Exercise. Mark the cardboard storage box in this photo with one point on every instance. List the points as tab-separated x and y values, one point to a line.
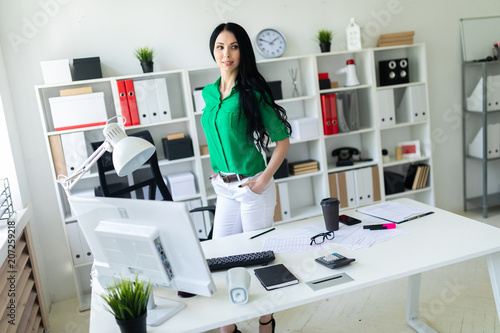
177	148
304	128
181	185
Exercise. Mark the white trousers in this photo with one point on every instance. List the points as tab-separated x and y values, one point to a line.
239	209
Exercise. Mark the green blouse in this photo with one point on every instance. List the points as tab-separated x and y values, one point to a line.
230	150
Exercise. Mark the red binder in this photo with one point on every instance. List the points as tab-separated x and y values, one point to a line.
329	108
334	114
132	103
122	94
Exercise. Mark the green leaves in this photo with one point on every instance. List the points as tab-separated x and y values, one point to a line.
144	54
324	36
127	299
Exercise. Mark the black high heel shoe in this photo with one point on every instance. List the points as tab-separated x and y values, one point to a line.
272	321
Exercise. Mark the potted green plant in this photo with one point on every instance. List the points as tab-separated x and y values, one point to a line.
324	38
145	56
127	301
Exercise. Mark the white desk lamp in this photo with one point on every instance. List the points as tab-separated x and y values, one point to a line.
129	153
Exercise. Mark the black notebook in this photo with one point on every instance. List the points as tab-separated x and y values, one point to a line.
276	276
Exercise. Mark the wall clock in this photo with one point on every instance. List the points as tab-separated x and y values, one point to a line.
271	43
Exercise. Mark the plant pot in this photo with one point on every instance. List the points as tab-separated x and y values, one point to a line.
325	47
136	325
147	67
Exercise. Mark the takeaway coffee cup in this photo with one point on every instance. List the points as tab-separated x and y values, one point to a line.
330	208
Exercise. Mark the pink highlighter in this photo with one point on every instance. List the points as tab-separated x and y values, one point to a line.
380	226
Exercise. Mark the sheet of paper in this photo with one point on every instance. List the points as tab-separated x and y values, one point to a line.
350	237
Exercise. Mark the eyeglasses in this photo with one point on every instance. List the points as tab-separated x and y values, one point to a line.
320	238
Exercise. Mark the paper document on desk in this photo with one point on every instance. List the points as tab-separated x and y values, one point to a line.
350	237
394	211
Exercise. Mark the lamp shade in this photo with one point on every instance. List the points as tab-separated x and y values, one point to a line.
130	153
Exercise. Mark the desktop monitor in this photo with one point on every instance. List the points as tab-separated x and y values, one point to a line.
154	239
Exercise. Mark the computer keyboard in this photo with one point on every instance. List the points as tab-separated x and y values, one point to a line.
239	260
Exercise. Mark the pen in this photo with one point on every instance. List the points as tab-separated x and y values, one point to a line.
418	216
265	232
380	226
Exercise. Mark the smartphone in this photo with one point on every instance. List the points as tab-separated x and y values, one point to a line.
348	220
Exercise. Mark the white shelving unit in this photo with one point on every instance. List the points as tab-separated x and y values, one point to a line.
305	191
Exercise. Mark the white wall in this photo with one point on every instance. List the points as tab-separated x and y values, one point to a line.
32	30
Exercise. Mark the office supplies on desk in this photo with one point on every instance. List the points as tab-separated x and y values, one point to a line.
276	276
262	233
394	211
384	226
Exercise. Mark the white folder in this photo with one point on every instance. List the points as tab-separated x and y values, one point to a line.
493	150
143	90
364	186
352	199
475	100
199	102
198	218
72	229
413	106
162	98
74	150
284	201
86	252
386	107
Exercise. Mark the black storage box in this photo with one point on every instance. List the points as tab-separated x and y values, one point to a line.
282	171
177	148
324	84
87	68
276	89
393	182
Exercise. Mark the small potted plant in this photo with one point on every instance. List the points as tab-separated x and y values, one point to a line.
324	38
127	301
145	56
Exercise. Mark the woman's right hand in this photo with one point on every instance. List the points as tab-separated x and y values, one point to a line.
213	176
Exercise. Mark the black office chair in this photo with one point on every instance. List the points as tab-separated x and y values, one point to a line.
145	178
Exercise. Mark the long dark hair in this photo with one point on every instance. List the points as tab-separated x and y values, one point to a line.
249	81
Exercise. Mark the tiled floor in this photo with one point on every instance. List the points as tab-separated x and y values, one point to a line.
454	299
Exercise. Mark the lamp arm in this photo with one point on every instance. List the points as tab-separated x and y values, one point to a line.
69	182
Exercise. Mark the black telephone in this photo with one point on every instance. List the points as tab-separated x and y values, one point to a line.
345	155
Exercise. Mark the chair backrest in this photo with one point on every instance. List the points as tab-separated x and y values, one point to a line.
145	177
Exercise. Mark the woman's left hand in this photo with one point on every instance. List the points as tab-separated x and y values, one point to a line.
256	185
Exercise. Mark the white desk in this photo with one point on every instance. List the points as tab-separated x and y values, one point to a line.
433	241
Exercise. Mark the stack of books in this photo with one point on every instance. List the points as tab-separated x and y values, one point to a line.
398	38
297	168
417	176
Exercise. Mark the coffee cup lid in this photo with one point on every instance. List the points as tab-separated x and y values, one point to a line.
330	202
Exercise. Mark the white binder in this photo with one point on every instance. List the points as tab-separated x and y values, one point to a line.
162	98
74	150
198	218
352	197
143	93
86	252
475	100
413	106
72	229
364	186
386	107
284	201
199	102
476	146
